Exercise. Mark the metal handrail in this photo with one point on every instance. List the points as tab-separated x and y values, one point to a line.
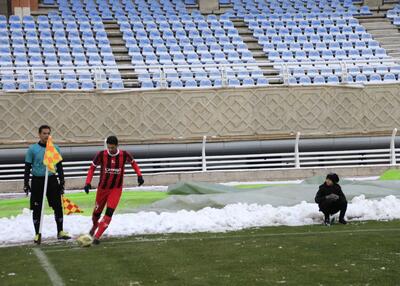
340	158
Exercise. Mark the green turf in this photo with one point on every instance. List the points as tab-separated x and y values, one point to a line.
356	254
391	174
129	201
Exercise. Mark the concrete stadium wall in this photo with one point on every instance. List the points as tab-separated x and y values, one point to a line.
165	115
217	177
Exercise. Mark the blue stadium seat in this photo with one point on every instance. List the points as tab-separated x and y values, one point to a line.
40	86
56	85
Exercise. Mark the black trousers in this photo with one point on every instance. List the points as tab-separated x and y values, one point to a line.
332	207
53	197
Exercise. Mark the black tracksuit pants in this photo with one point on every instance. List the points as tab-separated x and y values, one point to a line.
332	207
53	197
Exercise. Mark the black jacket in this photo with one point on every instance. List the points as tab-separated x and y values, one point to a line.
325	190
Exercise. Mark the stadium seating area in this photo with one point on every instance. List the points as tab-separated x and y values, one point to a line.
70	49
52	45
394	15
317	31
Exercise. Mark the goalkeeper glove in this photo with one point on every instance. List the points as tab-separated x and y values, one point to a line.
332	197
87	188
27	189
140	180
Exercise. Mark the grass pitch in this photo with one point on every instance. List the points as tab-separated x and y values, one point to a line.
362	253
129	201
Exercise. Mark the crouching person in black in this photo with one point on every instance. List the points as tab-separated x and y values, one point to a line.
331	199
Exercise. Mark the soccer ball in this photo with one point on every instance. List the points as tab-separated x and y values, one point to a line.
85	240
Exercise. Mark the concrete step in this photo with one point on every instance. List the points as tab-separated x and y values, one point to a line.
111	26
391	46
256	50
124	62
275	80
388	40
119	49
117	41
259	54
249	38
379	26
128	74
244	30
254	46
113	33
122	58
106	22
132	85
382	30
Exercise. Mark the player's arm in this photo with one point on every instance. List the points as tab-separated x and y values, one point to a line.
320	196
91	171
136	168
342	197
27	173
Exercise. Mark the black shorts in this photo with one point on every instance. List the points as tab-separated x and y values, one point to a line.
53	192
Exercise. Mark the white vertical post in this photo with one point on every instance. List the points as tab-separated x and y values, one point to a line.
393	148
46	178
96	77
163	79
224	77
203	155
296	151
285	74
344	72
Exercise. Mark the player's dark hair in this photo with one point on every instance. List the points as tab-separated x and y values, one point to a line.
112	140
44	127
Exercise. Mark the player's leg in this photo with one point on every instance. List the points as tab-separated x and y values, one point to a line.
343	209
325	208
112	203
101	200
36	204
54	199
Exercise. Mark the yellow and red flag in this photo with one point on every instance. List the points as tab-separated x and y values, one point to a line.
70	207
51	156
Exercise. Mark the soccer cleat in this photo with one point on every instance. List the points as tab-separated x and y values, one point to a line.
37	239
96	241
342	221
327	221
63	235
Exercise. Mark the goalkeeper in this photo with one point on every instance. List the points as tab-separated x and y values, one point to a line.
331	199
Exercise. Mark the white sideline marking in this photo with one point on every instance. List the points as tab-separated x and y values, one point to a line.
144	240
55	279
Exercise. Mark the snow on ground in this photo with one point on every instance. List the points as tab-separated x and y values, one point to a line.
19	229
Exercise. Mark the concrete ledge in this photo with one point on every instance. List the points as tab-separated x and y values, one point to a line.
219	177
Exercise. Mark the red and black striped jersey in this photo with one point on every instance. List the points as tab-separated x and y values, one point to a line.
112	168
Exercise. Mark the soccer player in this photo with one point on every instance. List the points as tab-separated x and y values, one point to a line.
34	160
331	199
112	163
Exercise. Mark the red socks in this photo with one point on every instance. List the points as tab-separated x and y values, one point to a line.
103	226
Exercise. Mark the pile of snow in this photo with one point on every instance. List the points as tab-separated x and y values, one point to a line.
19	229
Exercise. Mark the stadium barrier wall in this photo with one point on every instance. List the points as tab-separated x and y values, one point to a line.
161	116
